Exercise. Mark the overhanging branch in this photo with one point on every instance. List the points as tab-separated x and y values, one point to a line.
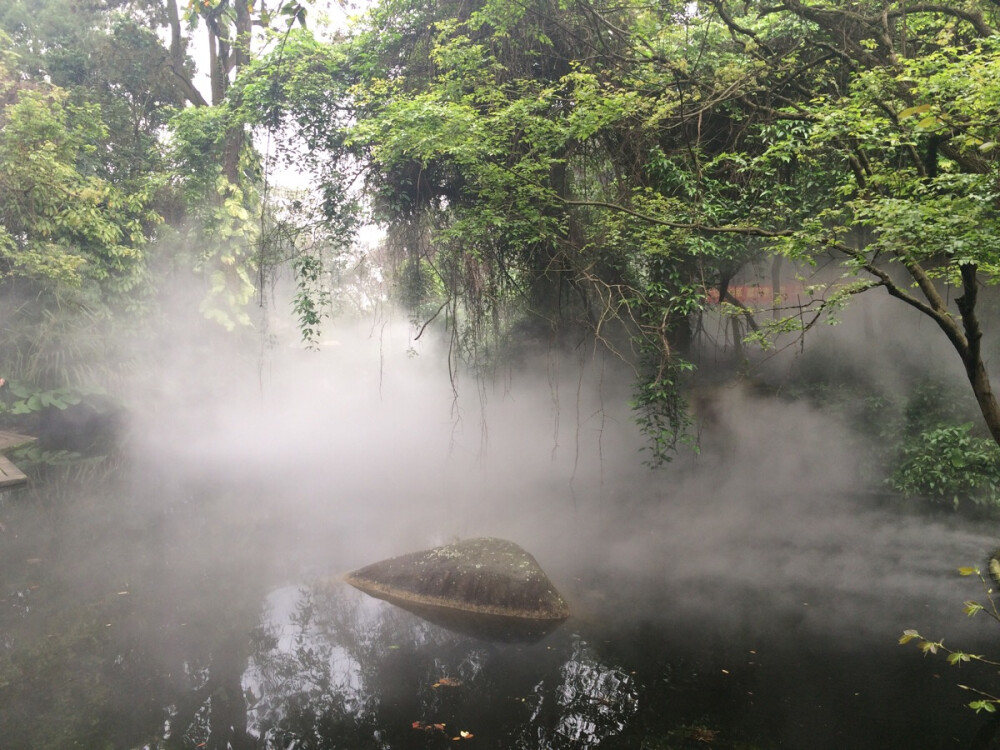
748	231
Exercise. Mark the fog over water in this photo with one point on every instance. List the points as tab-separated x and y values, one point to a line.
757	587
363	450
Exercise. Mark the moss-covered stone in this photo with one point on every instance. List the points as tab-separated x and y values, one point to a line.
488	587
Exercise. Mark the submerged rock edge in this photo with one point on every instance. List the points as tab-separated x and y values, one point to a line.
408	599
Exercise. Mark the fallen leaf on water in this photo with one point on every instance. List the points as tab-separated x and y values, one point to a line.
427	727
702	734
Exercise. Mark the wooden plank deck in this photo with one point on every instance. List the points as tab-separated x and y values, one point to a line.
10	475
9	440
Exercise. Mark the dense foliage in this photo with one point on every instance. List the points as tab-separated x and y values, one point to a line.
560	170
948	464
554	171
119	179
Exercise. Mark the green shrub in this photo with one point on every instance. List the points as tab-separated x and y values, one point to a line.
947	463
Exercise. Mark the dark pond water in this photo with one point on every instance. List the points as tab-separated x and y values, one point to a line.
187	594
195	623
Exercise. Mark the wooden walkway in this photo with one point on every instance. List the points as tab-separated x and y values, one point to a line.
10	475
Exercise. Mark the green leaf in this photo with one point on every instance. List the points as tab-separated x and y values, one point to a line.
972	608
20	390
910	111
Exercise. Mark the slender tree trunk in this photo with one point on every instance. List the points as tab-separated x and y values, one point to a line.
985	397
776	287
216	68
175	58
972	356
238	55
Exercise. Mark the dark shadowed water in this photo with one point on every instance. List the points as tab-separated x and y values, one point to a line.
117	633
187	593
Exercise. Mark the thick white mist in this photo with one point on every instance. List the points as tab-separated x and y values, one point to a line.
324	461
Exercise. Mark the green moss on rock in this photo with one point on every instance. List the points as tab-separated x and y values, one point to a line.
486	586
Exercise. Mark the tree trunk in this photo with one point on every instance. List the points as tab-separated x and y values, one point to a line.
972	356
987	400
238	55
217	73
776	287
175	58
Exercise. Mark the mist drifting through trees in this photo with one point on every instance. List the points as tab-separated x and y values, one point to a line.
694	301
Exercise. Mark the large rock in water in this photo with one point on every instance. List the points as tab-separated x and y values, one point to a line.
488	588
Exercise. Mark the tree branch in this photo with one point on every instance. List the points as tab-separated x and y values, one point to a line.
935	307
725	229
727	19
975	18
175	58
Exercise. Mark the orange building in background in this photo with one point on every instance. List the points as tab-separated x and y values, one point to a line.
760	296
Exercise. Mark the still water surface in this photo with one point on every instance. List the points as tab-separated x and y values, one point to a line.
213	618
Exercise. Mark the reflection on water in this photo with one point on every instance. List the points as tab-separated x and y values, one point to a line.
334	668
595	700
